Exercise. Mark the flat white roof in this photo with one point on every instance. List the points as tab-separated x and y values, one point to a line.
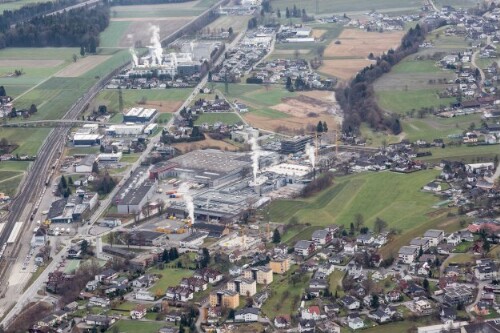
86	136
15	232
290	169
134	112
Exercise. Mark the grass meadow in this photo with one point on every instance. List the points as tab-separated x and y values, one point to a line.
227	118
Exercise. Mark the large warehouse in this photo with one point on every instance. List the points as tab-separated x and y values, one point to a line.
86	140
125	130
139	115
210	167
135	192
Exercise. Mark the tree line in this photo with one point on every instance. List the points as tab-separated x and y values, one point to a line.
144	2
11	17
357	98
75	28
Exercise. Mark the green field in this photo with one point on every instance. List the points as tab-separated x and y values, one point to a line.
170	277
28	139
464	153
415	66
404	101
132	97
403	207
9	186
112	35
212	118
342	6
285	297
134	326
13	5
189	8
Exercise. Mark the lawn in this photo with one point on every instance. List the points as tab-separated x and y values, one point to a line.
28	139
130	158
82	151
9	186
14	165
415	66
134	326
212	118
403	207
170	277
460	258
464	153
286	295
335	282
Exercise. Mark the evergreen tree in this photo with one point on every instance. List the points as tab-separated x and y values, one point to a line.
33	109
287	12
319	127
375	302
278	13
325	127
70	181
95	167
425	284
2	91
63	182
82	51
276	236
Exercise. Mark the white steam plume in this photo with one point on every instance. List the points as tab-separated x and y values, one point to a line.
135	60
255	156
188	200
311	154
156	45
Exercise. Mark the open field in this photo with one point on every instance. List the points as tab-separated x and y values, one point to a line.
137	31
344	69
207	143
238	23
342	6
82	66
135	326
275	107
11	174
170	277
190	8
405	101
114	33
464	153
16	4
357	43
228	118
285	298
28	139
403	207
164	100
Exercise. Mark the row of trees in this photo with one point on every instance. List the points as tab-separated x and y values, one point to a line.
145	2
77	27
322	182
358	98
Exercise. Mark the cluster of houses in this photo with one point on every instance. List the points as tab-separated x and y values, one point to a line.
279	70
375	21
241	59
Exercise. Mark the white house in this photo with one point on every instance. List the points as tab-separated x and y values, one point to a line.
144	295
435	236
39	238
312	313
408	254
138	313
350	248
247	315
355	323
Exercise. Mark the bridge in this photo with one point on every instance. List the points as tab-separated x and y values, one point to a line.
50	123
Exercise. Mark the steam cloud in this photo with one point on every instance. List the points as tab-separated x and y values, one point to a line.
255	157
311	154
188	200
135	59
156	45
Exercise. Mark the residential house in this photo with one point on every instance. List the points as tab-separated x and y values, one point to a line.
99	301
307	326
422	306
179	293
420	242
355	323
354	270
350	302
210	275
139	312
433	187
304	248
321	237
435	236
247	315
380	316
282	321
408	254
144	295
261	274
279	264
106	276
311	312
243	286
99	320
144	281
350	248
365	239
448	314
226	298
485	270
194	284
260	298
39	238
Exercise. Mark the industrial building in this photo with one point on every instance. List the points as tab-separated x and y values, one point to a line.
85	164
210	167
135	193
295	144
125	130
73	208
86	140
139	115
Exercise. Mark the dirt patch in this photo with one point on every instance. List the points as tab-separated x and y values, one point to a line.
357	43
164	106
30	63
139	30
82	66
304	110
344	68
207	143
318	33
